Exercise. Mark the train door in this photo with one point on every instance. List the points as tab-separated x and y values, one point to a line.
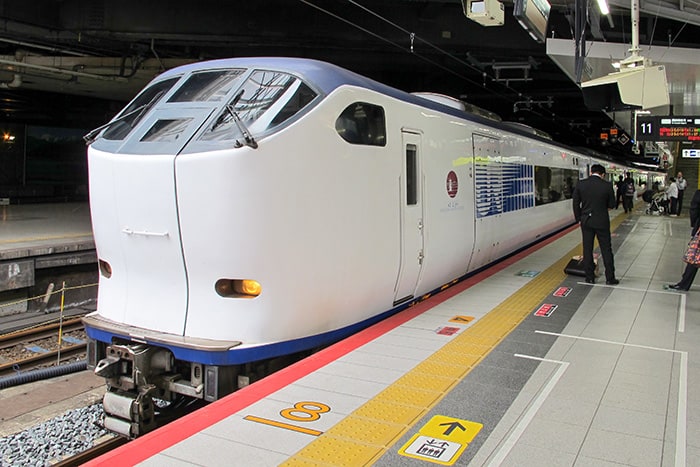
411	218
488	199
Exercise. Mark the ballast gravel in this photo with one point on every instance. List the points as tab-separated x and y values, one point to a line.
49	442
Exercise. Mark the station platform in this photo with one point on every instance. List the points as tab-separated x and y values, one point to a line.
43	244
34	229
519	365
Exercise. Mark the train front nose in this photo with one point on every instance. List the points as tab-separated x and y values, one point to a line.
143	280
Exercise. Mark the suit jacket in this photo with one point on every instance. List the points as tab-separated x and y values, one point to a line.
592	198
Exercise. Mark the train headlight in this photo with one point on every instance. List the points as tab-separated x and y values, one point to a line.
105	268
238	288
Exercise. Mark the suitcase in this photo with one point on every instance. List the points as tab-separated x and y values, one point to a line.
575	267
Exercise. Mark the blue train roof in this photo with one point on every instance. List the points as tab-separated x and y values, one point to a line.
327	77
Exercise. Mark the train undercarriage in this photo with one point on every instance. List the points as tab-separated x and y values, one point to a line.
147	386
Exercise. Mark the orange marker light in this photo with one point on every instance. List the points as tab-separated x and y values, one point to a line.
250	287
238	288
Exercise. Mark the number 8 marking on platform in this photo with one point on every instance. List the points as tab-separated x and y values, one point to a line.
305	411
309	414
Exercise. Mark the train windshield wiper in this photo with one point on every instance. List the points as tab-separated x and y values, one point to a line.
90	137
231	109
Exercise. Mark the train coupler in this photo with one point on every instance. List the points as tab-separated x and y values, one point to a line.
129	415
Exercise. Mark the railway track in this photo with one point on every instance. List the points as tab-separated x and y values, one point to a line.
93	452
39	337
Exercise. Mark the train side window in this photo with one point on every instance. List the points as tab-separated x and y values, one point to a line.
362	123
411	175
264	101
554	184
301	97
207	86
131	115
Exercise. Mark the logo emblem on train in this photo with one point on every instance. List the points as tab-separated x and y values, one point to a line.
452	184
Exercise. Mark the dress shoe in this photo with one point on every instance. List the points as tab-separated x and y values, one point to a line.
590	281
612	282
677	287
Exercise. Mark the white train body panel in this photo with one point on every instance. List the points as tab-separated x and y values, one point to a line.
321	239
135	218
337	234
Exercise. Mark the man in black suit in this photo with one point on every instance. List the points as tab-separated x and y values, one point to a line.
592	198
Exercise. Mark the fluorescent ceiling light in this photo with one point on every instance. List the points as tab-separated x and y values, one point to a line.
603	7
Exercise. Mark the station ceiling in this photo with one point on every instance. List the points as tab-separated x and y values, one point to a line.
79	60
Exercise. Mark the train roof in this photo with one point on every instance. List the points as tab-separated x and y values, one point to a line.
327	77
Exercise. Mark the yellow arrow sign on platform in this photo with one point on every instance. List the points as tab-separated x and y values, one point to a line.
451	429
442	440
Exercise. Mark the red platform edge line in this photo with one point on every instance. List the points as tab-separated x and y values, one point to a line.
157	441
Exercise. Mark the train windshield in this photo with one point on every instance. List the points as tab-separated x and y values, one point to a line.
208	86
264	101
119	128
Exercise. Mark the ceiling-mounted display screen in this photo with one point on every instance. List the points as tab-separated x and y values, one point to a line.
668	128
533	16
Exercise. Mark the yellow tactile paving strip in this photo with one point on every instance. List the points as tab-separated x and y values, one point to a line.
364	435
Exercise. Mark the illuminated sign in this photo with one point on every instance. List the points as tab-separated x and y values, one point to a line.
690	153
655	128
533	16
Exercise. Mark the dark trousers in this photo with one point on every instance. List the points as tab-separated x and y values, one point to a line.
688	276
680	202
627	203
673	208
605	242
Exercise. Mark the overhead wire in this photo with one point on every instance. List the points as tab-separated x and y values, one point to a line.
378	36
675	38
404	30
695	11
468	65
517	94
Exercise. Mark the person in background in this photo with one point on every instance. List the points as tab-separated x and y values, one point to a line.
592	198
682	185
689	273
620	186
628	198
672	193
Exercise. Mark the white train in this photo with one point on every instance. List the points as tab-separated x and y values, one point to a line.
247	209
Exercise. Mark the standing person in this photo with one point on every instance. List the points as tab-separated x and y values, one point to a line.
591	200
672	193
628	198
689	274
682	185
620	185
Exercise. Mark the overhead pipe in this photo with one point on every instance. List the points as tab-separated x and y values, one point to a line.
62	71
42	47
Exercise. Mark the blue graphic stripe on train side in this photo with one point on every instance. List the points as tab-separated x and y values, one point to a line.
503	187
237	356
